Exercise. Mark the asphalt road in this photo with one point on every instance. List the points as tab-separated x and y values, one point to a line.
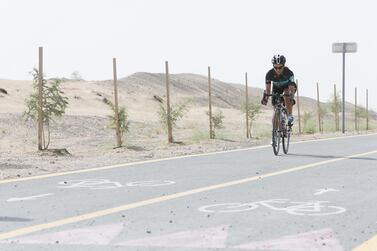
321	196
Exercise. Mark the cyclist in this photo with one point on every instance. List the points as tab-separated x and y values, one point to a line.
282	79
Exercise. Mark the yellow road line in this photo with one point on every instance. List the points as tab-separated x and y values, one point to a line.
44	176
45	226
369	245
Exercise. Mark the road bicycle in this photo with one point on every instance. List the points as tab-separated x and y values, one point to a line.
281	130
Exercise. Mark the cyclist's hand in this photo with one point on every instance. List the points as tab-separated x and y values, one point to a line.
264	101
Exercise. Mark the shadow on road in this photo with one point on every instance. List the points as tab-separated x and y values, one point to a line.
328	156
13	219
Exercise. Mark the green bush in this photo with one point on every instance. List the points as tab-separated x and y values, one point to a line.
123	119
53	104
253	111
176	112
309	125
217	122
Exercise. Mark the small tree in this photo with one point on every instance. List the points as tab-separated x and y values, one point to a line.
123	119
322	114
76	76
361	112
176	112
308	123
217	121
335	105
53	104
253	111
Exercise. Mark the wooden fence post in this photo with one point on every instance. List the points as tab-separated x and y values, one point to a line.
319	110
40	99
170	129
336	112
355	108
211	136
116	109
248	133
367	110
298	109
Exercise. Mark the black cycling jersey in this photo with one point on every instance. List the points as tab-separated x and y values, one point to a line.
279	83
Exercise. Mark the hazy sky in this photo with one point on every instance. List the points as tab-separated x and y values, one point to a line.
231	36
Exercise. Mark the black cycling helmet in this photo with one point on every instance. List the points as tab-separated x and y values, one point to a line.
278	59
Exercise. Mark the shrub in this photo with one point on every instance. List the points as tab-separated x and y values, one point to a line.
53	104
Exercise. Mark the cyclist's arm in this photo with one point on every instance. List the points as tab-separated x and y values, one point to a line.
268	86
268	82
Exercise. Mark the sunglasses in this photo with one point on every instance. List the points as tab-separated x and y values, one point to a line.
278	67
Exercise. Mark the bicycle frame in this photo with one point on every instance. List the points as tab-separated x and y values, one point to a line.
280	129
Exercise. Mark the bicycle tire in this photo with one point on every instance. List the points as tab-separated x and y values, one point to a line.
286	136
228	208
275	132
338	210
285	142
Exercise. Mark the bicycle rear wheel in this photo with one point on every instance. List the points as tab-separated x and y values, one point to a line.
276	132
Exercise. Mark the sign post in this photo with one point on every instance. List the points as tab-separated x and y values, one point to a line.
344	48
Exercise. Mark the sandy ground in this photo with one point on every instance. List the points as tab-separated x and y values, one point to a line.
91	144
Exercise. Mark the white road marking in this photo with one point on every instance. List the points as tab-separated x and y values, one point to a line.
304	208
325	190
90	183
29	198
150	183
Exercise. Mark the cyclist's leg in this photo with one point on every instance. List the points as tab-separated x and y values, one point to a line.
275	89
292	90
289	101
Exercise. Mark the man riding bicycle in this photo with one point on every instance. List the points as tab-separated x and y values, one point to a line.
282	79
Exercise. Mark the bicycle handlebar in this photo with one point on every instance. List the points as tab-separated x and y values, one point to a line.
277	94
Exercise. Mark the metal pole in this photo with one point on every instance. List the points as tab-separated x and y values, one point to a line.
170	130
319	110
119	140
247	108
344	89
210	104
298	109
40	99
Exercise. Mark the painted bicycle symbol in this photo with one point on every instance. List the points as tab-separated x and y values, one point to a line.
108	184
90	183
309	208
150	183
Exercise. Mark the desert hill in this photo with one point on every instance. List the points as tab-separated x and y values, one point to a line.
141	92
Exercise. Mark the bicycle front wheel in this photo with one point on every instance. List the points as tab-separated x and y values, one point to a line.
276	132
285	140
285	134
